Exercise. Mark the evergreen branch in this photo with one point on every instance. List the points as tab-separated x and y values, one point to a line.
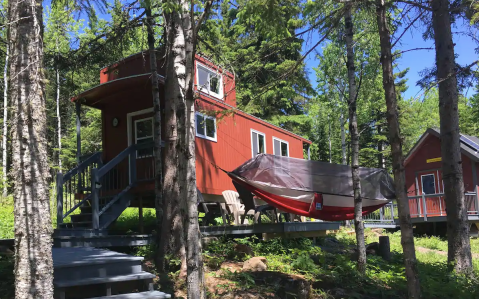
409	50
407	28
461	70
413	3
203	16
301	60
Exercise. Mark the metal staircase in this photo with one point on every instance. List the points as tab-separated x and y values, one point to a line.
93	195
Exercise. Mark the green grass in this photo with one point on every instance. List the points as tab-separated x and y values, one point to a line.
6	220
328	272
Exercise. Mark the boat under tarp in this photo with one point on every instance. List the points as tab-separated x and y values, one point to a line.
313	189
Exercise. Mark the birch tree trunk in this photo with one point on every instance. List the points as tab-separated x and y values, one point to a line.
172	233
5	123
407	237
459	249
33	226
195	275
343	140
59	121
353	129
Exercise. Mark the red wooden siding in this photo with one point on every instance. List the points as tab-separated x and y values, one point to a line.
233	145
416	165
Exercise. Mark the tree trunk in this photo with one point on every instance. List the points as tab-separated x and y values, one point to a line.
353	129
195	279
380	150
459	249
155	93
343	140
407	237
5	124
329	140
33	225
172	233
59	121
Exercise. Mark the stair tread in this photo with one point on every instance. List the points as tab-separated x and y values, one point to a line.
99	280
78	256
142	295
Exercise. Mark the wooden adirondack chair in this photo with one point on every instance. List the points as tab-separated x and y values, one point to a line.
235	206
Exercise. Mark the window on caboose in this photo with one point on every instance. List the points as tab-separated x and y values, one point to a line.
144	135
209	81
258	143
205	126
280	147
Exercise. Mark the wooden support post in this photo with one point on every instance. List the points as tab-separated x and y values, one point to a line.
78	112
384	248
95	204
140	214
59	199
424	207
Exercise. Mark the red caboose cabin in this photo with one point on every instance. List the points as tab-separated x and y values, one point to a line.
424	177
125	170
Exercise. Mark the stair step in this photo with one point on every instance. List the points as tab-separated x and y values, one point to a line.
82	224
142	295
82	217
100	280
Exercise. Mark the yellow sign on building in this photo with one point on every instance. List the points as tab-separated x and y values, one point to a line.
434	160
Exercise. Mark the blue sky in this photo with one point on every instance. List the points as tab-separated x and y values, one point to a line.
416	61
419	60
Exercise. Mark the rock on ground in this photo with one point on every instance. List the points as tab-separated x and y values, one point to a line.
254	264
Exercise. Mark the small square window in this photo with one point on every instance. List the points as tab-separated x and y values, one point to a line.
209	81
205	126
280	147
200	124
258	144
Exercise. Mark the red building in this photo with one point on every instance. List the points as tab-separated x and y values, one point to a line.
424	176
124	97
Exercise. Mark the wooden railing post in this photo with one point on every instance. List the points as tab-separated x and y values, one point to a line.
59	199
95	205
392	210
424	207
477	200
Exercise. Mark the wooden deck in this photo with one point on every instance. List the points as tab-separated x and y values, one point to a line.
103	239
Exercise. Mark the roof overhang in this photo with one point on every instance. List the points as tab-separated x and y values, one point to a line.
93	96
436	133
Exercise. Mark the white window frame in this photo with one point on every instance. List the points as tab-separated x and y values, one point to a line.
422	184
207	91
215	139
257	141
141	138
283	141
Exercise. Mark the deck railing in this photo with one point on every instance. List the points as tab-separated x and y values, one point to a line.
382	217
70	186
433	205
103	185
